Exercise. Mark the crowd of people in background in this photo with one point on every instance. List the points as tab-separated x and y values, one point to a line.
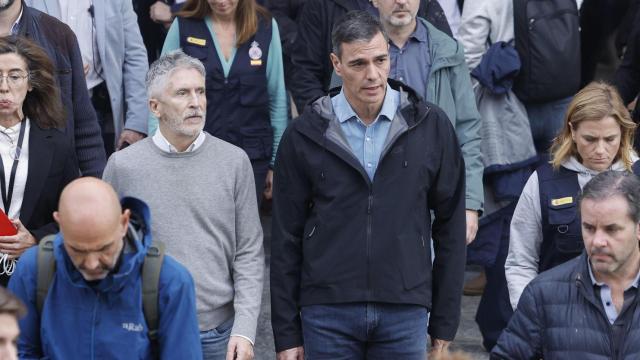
394	143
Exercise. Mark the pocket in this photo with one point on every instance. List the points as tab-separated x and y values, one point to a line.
253	91
257	142
416	259
566	228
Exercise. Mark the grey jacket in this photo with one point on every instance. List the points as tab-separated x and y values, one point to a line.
123	57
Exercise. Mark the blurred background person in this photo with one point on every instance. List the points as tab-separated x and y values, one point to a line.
37	158
545	230
11	308
115	62
239	44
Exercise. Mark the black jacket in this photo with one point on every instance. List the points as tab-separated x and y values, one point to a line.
339	237
59	42
559	316
627	77
311	71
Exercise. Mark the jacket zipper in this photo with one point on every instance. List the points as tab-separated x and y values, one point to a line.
369	221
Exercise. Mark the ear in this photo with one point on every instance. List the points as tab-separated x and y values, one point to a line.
124	221
337	65
56	217
638	232
154	107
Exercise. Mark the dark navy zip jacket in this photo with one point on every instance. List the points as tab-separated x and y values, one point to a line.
339	237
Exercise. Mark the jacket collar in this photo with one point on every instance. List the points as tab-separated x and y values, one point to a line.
138	238
445	51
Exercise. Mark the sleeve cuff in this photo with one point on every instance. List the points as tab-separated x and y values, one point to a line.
244	337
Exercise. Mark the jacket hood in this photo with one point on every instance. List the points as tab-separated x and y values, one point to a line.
444	50
138	240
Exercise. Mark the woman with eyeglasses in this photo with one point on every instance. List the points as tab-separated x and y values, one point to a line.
37	159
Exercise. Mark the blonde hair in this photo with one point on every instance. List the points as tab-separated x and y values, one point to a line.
594	102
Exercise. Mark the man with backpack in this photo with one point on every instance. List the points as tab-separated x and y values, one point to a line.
100	288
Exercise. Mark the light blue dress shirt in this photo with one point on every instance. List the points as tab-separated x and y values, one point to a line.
607	298
366	141
411	64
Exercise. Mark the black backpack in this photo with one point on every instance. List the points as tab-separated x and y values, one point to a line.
547	34
150	281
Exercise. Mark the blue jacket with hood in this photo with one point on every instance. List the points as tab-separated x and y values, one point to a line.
105	320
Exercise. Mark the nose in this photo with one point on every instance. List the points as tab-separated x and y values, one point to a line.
196	100
91	261
4	83
599	239
371	72
600	147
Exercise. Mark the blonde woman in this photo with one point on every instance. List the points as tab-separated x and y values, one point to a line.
597	135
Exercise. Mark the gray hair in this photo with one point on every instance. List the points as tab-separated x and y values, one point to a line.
162	69
355	26
611	183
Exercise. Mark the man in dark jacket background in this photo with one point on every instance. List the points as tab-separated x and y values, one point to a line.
356	177
61	45
311	71
587	308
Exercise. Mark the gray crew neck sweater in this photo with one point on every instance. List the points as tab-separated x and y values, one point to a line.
203	207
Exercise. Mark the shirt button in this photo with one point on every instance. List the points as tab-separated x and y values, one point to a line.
608	303
401	78
368	138
369	165
401	51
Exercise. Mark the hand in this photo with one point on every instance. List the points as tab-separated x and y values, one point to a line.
472	225
296	353
268	186
438	347
160	12
129	136
239	348
15	245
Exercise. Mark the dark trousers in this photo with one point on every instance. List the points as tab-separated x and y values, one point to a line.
102	106
364	331
260	169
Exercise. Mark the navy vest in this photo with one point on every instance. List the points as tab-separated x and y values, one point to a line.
561	229
237	106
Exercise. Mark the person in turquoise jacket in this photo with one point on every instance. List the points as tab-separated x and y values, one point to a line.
432	63
93	308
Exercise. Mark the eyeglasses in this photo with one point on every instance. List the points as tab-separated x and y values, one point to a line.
14	79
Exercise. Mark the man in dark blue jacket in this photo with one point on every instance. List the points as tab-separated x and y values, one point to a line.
587	308
61	45
94	304
356	177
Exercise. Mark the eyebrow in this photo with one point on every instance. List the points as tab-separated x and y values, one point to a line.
86	251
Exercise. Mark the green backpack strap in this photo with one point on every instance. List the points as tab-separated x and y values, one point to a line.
46	269
150	283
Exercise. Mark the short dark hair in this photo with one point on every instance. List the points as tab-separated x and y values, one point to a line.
354	26
611	183
10	304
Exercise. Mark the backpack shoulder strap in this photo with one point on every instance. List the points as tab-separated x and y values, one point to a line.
46	269
150	283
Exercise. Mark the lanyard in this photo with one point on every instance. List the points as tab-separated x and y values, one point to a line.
8	193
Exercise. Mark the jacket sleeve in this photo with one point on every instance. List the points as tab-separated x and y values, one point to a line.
468	125
311	65
475	26
87	133
446	199
291	194
69	174
275	88
248	264
23	284
134	71
522	337
178	333
525	241
627	78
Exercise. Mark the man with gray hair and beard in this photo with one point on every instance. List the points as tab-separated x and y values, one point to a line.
201	193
